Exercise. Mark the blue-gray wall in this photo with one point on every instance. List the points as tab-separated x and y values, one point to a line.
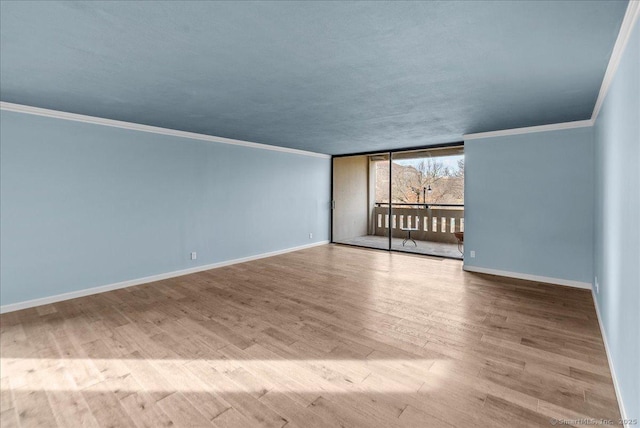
529	203
85	205
617	217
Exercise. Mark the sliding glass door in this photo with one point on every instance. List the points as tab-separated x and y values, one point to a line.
360	184
410	201
427	193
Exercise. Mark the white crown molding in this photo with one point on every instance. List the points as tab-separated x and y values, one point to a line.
530	129
616	386
138	281
528	277
19	108
626	28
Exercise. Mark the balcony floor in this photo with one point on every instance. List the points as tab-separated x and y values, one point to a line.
429	248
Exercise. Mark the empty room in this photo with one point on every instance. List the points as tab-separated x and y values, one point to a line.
319	214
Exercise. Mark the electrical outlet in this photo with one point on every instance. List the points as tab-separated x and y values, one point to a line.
472	254
597	286
194	255
310	235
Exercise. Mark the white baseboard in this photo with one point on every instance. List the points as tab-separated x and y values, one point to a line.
623	413
536	278
138	281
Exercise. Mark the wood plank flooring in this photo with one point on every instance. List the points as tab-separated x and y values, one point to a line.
331	336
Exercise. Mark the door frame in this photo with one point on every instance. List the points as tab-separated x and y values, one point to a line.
390	153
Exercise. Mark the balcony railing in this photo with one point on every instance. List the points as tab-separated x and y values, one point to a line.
434	222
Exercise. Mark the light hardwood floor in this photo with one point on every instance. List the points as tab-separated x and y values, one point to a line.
329	336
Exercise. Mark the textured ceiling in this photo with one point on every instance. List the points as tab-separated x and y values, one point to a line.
334	77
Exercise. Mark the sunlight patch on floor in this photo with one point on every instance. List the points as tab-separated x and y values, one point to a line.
220	375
